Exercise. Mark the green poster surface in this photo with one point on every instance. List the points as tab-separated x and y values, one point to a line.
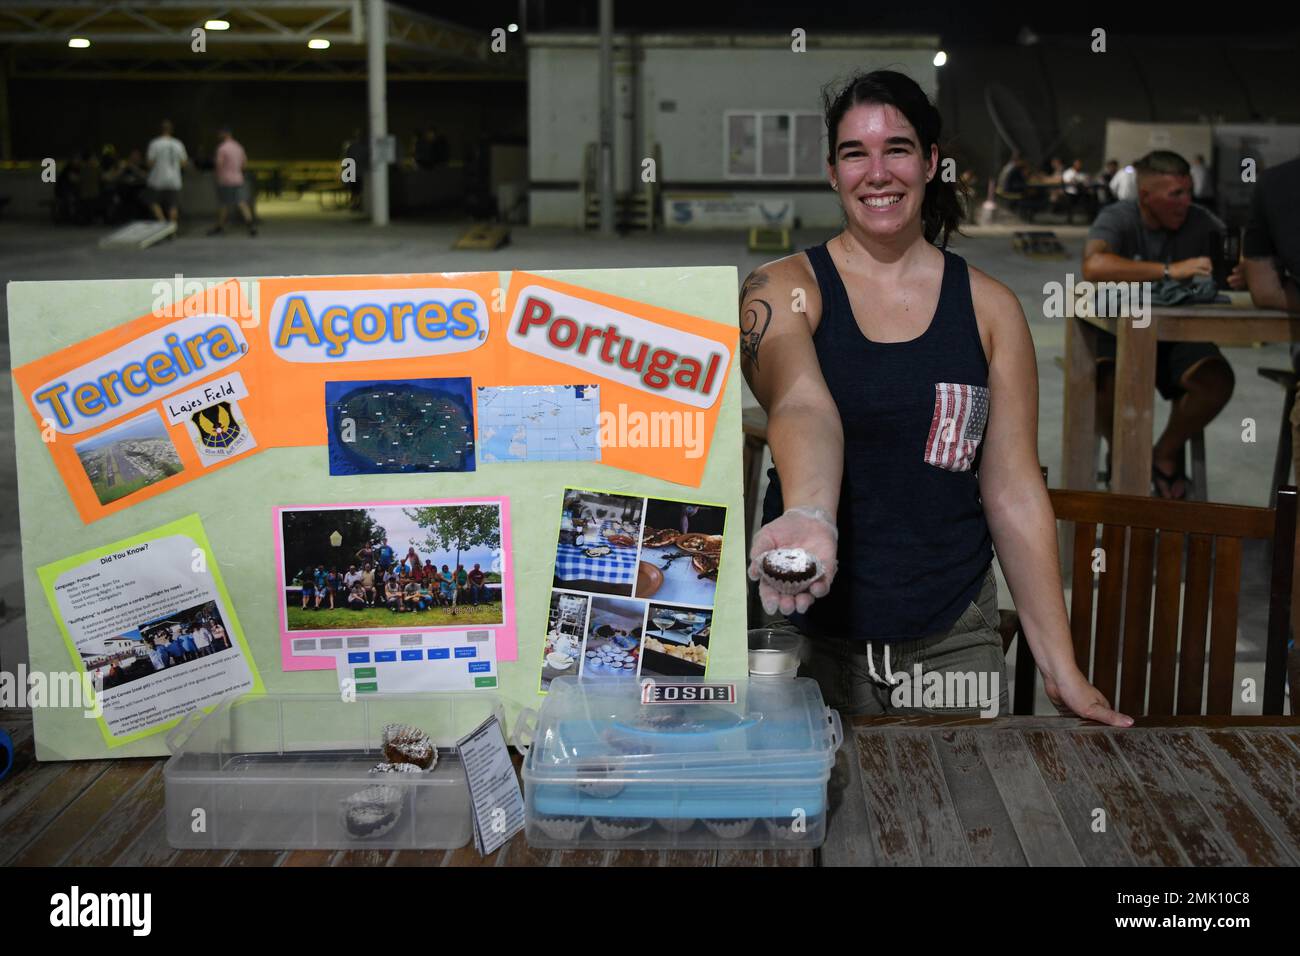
235	504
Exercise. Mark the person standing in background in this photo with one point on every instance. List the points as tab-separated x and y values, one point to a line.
1124	184
1202	193
202	640
166	157
228	170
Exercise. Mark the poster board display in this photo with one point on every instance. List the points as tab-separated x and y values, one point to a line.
265	407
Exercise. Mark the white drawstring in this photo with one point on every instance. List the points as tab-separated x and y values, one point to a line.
889	678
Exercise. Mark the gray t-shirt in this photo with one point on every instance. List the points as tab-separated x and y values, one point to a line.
1120	226
167	155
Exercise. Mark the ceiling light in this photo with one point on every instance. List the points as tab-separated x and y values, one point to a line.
940	58
216	25
78	43
318	44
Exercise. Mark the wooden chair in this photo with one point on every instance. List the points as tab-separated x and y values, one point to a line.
1151	547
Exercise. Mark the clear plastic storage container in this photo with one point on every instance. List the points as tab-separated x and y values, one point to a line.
295	772
680	763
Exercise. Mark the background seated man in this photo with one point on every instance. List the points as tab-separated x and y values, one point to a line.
1271	244
1160	236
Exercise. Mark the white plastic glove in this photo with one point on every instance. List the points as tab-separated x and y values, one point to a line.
812	529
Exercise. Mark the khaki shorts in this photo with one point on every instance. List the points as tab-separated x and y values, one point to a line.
960	672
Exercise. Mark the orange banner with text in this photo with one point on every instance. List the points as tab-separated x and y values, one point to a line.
199	383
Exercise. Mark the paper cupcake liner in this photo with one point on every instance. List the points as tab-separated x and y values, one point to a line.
600	789
730	829
371	812
402	768
562	828
619	828
675	824
782	829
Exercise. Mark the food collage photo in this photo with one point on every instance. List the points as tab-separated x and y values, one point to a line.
634	587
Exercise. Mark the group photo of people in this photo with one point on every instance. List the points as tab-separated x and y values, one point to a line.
430	566
165	643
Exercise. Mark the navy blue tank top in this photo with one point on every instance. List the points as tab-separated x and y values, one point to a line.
914	544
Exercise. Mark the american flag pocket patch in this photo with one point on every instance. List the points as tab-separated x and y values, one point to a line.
957	427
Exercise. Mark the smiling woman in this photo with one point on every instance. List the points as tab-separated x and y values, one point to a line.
902	397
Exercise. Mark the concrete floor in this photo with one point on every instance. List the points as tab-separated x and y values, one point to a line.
292	244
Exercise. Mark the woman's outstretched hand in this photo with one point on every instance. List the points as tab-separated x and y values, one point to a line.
812	529
1073	694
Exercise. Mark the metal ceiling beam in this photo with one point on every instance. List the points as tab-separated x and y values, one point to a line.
265	27
174	29
239	71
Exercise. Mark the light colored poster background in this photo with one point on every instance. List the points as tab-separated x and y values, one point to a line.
236	502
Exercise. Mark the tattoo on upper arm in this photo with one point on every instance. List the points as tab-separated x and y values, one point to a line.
755	317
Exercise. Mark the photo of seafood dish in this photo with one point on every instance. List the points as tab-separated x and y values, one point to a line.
659	537
683	543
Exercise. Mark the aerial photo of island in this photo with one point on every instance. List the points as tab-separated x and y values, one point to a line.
396	427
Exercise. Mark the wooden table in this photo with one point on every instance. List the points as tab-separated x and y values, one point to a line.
1018	791
905	790
1135	377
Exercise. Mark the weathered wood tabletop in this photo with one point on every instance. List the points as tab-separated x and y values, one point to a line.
905	791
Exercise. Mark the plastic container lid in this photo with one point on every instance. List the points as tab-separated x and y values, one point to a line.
693	730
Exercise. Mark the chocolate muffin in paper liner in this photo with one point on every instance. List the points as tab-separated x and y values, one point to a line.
789	570
371	812
562	828
403	743
783	829
619	828
730	829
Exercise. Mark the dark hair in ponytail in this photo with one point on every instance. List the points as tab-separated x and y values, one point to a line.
941	210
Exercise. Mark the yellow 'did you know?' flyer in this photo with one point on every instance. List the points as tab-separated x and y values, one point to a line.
149	618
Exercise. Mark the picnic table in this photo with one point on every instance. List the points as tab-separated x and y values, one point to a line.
1204	791
1237	323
